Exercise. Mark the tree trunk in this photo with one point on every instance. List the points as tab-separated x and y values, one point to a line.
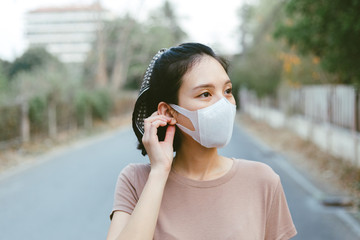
88	118
356	117
122	58
25	122
101	75
52	119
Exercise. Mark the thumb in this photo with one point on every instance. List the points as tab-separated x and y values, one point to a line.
170	133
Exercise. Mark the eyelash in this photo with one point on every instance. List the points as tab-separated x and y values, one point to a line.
202	95
227	91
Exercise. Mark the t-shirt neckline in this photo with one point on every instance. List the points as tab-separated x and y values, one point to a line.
205	183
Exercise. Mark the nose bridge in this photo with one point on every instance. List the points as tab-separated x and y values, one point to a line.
219	94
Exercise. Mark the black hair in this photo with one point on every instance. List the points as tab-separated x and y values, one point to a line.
166	80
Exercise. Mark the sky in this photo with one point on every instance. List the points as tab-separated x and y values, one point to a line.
212	22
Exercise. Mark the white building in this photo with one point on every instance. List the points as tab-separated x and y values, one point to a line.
66	32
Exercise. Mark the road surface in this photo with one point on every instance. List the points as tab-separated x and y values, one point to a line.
68	194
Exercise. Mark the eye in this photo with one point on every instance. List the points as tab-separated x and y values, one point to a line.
228	91
205	94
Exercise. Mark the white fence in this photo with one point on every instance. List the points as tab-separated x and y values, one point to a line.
324	115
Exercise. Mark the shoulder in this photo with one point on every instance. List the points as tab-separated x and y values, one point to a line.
256	172
136	169
135	173
254	166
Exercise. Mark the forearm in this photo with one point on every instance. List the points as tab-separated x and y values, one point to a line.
142	222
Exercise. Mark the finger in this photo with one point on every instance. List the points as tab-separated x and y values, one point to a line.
154	114
170	133
147	126
155	117
158	114
155	125
148	121
172	121
150	133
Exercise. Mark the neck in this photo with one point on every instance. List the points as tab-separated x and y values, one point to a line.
197	162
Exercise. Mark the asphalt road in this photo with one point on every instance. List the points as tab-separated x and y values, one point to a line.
68	194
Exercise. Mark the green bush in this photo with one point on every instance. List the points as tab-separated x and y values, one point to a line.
98	101
101	103
82	104
38	115
37	110
9	122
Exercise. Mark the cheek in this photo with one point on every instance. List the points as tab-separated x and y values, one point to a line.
184	121
190	103
232	100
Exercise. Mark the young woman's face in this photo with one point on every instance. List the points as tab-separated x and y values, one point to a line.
203	85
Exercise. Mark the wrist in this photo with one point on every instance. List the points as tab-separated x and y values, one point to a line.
159	173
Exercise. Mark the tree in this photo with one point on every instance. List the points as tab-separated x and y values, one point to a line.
31	59
3	80
258	68
329	30
245	14
5	67
129	45
167	17
38	75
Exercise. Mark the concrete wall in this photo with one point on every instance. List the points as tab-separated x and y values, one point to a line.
337	141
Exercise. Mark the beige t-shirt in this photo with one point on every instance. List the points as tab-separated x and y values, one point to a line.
248	202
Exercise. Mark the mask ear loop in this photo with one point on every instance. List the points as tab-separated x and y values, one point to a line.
193	117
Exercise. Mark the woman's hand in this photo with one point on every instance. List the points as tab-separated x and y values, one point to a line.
160	153
146	211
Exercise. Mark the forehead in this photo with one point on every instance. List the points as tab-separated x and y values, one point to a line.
207	70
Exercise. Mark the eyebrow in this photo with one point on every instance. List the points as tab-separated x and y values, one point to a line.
209	85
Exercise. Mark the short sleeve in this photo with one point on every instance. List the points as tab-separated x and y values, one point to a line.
125	197
279	224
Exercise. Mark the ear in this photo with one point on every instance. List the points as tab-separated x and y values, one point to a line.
165	109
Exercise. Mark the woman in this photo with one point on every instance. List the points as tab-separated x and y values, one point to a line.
195	193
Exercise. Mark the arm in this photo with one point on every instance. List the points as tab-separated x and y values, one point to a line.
142	222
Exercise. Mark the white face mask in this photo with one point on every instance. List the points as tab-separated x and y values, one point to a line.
213	125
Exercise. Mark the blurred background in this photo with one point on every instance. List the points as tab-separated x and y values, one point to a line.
66	64
72	68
